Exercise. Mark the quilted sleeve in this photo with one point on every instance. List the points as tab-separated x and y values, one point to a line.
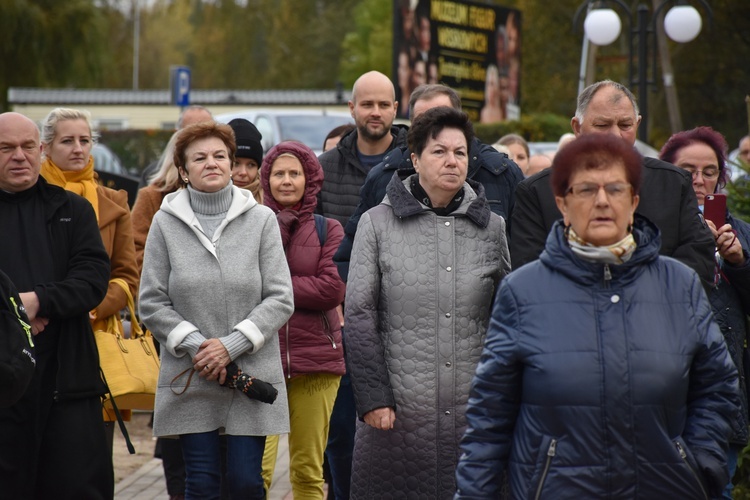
493	404
362	336
713	396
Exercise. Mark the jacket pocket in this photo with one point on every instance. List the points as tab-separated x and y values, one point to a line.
689	462
549	447
327	331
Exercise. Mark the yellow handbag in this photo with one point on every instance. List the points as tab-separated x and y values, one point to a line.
130	365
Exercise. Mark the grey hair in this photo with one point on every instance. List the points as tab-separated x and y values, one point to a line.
427	91
57	115
192	107
585	97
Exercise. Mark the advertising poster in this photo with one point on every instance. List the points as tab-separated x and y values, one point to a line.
471	47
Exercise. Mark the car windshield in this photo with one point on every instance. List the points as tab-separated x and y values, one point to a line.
309	129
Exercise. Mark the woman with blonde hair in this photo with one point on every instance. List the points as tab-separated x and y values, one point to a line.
68	138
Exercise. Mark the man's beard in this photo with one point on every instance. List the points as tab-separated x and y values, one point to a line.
373	136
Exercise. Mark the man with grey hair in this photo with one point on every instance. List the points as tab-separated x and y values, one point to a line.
745	149
52	440
493	170
667	197
192	114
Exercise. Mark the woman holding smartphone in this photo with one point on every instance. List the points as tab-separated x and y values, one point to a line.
702	152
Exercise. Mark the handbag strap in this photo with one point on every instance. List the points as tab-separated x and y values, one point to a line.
120	422
135	326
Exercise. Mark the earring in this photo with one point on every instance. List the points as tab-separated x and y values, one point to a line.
185	179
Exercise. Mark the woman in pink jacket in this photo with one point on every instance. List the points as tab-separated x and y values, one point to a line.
311	350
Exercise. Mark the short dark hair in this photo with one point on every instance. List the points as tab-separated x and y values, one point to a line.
430	123
594	151
339	131
427	91
707	136
203	130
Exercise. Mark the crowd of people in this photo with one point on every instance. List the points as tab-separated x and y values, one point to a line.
432	318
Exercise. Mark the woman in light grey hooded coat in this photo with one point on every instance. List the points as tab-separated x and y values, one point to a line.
214	268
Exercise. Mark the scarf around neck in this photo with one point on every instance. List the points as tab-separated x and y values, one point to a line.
617	253
80	182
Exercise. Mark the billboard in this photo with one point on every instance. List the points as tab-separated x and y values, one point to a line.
471	47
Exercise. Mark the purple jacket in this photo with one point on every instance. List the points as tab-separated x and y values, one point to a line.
311	339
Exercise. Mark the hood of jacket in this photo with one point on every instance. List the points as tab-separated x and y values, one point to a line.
311	167
404	204
558	255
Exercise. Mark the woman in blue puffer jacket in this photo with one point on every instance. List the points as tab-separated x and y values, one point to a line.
604	374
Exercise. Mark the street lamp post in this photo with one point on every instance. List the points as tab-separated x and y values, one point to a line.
602	26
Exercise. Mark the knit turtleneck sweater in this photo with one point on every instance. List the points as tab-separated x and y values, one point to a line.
210	208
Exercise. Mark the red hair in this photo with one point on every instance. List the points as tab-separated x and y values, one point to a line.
594	151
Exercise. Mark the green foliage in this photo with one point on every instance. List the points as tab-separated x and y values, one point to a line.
742	476
534	127
368	46
136	148
738	202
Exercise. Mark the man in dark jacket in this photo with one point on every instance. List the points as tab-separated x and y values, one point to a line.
373	107
667	197
345	167
494	170
52	441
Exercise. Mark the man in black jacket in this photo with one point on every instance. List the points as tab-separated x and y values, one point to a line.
52	441
373	107
497	173
667	197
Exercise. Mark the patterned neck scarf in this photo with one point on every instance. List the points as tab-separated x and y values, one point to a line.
618	253
80	182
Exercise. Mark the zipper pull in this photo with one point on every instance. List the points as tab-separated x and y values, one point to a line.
552	448
682	453
607	273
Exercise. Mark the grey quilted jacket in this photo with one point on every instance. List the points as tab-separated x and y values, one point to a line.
417	308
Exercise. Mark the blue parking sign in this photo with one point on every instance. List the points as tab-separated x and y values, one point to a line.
179	79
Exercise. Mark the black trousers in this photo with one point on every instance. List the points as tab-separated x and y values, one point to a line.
53	449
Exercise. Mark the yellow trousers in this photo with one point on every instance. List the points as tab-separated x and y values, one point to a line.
311	399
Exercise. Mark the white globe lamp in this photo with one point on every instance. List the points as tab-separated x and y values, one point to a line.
602	26
682	23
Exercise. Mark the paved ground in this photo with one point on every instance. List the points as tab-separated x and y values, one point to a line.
147	483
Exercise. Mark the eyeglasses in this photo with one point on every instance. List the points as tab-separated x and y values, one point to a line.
589	190
708	173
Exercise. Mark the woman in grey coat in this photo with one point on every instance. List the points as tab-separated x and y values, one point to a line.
215	289
424	269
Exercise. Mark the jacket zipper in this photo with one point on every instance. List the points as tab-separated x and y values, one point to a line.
683	455
607	275
327	329
550	453
288	356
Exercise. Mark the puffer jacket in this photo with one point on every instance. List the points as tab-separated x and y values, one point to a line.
497	173
730	301
417	307
311	339
344	175
600	381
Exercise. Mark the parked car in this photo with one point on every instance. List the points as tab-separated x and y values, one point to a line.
111	172
276	125
549	148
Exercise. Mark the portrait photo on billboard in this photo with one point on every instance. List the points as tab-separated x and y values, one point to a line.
472	47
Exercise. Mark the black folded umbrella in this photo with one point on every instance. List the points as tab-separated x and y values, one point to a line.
252	387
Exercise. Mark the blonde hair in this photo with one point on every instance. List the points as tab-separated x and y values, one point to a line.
57	115
167	179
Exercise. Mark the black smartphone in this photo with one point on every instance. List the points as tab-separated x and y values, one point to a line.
715	208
